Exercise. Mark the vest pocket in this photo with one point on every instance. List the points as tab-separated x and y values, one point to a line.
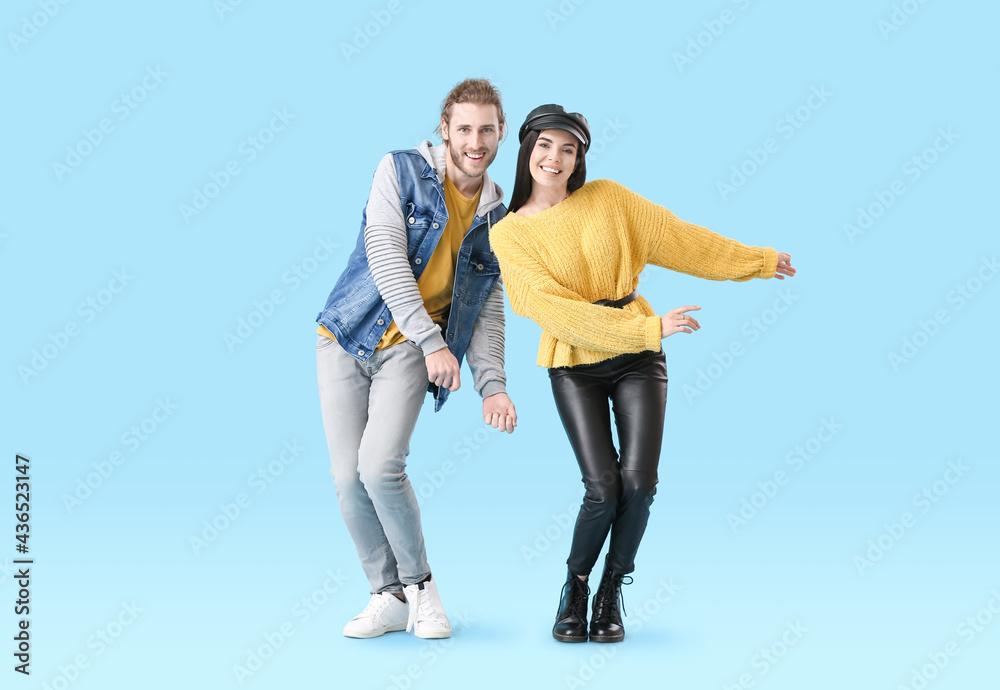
482	274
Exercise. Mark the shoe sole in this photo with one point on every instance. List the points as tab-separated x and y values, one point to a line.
367	635
433	635
570	638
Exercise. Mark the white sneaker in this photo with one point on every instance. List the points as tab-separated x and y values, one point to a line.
427	618
384	613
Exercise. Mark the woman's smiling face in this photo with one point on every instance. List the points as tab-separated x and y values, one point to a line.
553	159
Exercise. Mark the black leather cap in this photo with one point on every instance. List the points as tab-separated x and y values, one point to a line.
552	116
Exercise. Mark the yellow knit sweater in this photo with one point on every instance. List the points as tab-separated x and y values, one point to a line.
592	246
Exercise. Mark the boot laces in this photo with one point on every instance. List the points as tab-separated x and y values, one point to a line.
611	594
579	592
619	581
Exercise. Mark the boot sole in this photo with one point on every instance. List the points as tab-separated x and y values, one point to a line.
607	638
570	638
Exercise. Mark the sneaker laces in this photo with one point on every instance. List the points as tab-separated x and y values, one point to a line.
375	607
424	610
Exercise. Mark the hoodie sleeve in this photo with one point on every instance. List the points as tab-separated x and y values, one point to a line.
486	349
385	247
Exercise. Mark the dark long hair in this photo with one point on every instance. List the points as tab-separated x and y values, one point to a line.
522	175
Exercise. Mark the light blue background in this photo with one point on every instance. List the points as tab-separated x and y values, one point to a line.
495	516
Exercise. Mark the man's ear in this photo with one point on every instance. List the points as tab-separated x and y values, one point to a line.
444	130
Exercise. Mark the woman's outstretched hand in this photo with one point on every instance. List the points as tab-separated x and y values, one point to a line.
784	266
676	321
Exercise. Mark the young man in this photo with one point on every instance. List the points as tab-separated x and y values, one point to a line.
421	291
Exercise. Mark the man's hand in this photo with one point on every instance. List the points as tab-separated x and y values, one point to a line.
784	267
498	412
442	369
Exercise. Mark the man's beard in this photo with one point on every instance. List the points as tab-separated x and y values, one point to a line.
464	164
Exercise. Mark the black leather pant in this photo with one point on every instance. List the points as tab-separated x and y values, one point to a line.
619	489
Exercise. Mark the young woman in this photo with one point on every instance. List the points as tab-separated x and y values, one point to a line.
570	254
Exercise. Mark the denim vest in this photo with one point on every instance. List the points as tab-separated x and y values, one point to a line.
355	311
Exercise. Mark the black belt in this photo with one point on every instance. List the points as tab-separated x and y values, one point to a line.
618	303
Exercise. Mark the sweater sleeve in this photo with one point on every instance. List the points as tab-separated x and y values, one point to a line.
692	249
385	247
564	314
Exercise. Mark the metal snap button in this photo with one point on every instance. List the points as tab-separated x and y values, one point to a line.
411	220
418	261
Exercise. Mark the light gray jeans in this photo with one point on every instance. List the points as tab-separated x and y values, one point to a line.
369	412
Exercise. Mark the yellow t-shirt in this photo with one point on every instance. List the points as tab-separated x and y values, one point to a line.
437	282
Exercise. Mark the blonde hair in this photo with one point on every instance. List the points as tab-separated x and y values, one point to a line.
478	91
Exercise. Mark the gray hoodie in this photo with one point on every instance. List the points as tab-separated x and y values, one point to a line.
385	247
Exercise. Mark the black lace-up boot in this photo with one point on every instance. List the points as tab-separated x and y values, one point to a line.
606	621
571	620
